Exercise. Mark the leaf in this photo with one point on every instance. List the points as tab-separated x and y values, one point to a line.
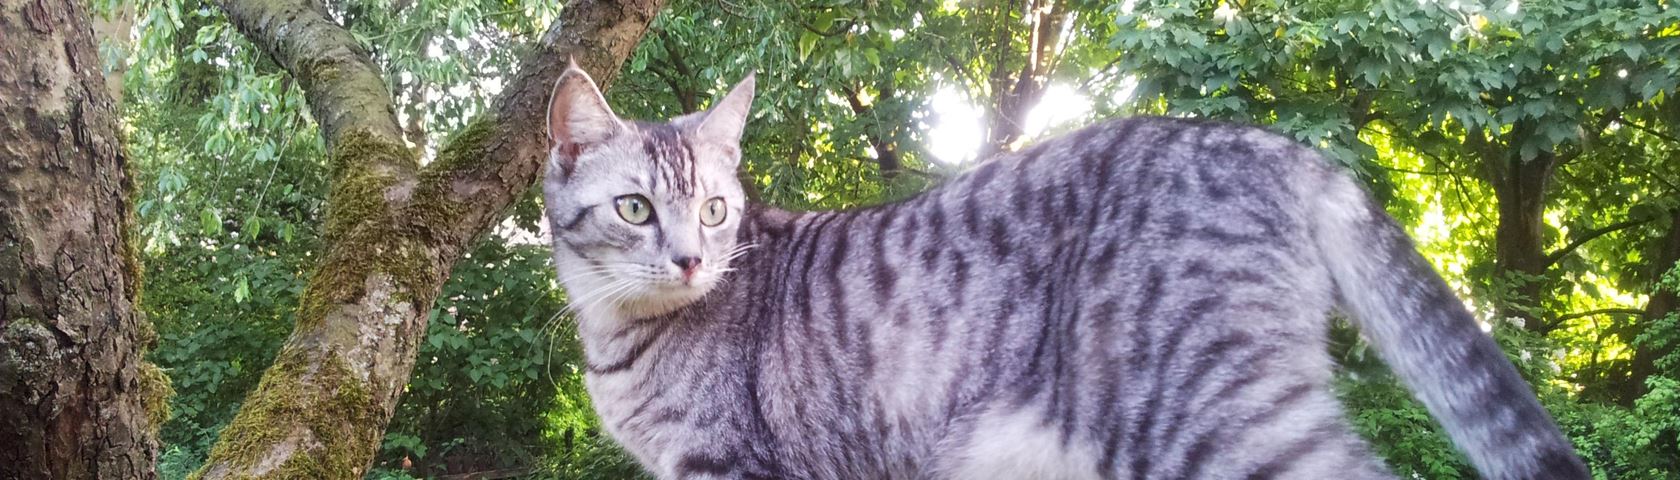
242	291
1634	50
808	42
209	223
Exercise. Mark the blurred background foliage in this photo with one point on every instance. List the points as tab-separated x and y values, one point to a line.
1531	147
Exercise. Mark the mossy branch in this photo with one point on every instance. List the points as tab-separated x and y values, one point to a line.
392	232
342	85
483	169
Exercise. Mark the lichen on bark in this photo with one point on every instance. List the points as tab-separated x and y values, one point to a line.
433	206
369	174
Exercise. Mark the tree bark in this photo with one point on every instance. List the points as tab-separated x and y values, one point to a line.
1016	93
879	136
74	391
393	230
1519	238
1663	302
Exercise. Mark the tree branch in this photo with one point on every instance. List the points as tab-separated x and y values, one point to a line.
885	154
1650	131
342	85
1558	321
838	29
687	98
393	231
1590	235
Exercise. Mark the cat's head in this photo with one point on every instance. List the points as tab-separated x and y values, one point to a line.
643	214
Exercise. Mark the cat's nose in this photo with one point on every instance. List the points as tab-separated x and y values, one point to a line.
687	264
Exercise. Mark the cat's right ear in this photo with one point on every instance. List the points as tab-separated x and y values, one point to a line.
577	113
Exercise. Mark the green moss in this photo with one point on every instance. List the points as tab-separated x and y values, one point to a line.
323	396
365	237
371	236
363	167
155	391
342	419
465	149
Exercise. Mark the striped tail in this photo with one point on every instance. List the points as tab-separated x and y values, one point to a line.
1425	334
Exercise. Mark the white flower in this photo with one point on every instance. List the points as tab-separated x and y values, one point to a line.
1225	13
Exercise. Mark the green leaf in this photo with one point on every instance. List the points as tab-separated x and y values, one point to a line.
209	223
242	291
1634	50
807	43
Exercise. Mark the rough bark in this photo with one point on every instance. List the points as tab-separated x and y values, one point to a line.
73	388
393	230
340	82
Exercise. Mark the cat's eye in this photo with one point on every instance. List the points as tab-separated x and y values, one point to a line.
713	212
635	209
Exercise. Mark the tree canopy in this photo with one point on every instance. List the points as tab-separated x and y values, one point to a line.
1531	147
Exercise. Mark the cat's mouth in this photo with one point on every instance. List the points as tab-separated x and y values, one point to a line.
687	284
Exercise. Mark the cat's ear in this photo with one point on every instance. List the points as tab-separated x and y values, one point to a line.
577	113
725	120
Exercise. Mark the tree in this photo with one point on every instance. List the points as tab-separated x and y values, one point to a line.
76	400
393	229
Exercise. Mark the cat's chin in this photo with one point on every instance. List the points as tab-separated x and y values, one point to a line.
664	299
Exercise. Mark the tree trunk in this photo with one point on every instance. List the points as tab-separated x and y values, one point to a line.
1519	239
1663	302
1016	95
74	392
392	230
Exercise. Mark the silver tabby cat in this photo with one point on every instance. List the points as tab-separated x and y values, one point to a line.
1144	298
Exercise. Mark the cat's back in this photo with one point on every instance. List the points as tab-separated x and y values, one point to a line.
1133	179
1190	158
1037	274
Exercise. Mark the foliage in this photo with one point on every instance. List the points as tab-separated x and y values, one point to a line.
1440	106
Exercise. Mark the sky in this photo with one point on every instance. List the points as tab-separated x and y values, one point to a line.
957	127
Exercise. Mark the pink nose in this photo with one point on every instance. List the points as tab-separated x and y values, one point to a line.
687	264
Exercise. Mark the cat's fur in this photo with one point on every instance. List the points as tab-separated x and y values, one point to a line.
1143	298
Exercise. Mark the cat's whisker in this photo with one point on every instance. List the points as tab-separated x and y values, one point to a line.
597	294
609	295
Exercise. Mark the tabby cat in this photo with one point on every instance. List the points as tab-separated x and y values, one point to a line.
1144	298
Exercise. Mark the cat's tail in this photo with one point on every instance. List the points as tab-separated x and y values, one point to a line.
1427	336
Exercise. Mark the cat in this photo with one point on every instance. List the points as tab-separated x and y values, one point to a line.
1143	298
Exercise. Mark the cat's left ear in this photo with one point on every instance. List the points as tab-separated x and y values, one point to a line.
726	119
577	113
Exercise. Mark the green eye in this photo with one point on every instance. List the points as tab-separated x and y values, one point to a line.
635	209
713	212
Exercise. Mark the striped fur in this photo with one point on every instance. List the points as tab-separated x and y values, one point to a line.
1143	298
